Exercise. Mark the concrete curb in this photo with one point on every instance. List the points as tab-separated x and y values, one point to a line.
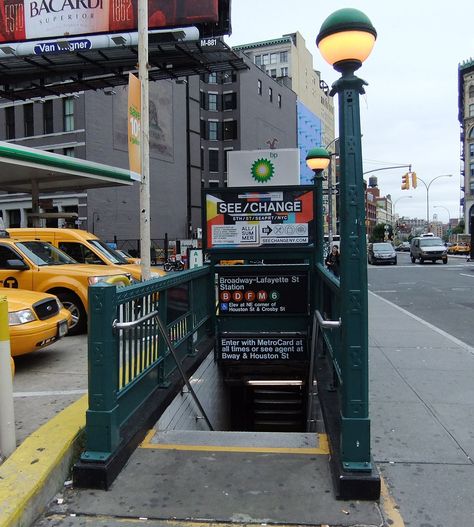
37	469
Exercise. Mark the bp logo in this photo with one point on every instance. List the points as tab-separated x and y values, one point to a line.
262	170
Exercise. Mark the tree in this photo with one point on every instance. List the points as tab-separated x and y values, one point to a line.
459	229
378	234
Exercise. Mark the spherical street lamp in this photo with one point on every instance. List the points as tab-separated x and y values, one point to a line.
318	159
345	40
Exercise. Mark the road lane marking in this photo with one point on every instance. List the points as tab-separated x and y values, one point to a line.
454	340
469	275
387	291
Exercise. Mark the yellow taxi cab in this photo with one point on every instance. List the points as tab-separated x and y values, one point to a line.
35	320
130	259
38	266
82	246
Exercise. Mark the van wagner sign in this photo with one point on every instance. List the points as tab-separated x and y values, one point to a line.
39	19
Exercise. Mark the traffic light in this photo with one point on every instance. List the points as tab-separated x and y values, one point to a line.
414	182
405	182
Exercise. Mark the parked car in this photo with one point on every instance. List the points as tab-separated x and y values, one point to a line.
425	248
84	247
459	248
403	247
381	252
38	266
130	259
35	320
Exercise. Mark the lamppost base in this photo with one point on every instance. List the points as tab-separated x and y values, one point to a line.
352	481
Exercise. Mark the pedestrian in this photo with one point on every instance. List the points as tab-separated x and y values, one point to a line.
332	260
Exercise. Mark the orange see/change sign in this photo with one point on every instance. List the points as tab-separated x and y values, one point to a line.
134	125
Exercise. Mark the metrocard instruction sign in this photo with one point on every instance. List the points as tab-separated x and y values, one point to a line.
245	217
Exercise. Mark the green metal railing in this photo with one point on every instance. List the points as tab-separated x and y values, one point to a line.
129	354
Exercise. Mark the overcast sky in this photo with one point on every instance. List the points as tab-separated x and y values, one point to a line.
410	109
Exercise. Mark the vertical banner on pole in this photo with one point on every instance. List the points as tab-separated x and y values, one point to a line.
134	125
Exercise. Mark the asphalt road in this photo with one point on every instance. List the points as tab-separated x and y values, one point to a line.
443	295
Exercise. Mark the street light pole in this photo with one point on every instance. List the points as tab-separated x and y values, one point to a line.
345	40
427	186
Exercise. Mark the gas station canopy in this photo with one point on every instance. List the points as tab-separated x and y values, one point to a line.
22	167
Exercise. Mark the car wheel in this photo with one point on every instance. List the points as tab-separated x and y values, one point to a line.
79	318
422	260
445	261
413	259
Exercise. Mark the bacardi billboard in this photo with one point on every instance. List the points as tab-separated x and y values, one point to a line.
39	19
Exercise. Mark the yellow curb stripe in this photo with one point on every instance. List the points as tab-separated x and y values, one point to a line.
25	472
389	506
323	448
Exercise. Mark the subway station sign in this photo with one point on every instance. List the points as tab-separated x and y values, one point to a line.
257	348
249	218
262	292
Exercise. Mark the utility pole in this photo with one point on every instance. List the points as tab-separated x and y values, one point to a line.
145	237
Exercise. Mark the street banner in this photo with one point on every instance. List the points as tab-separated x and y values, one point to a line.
248	217
263	168
256	348
134	124
39	19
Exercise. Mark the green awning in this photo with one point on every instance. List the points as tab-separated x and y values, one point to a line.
19	166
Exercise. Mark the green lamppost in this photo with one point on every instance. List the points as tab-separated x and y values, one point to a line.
318	159
345	40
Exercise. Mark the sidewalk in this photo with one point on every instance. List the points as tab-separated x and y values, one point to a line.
422	409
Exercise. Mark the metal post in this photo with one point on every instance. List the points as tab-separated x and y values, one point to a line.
35	204
319	217
145	236
7	415
355	424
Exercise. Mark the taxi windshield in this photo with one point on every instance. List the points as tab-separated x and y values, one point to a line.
43	253
108	253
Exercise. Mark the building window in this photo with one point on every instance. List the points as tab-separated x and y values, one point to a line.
213	160
471	187
259	87
265	60
228	77
68	114
284	72
273	58
69	152
273	73
471	91
471	149
258	60
230	130
229	101
28	120
212	102
213	184
10	122
283	56
226	158
471	170
48	117
213	131
270	94
471	110
471	133
14	218
279	101
202	100
212	79
203	131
